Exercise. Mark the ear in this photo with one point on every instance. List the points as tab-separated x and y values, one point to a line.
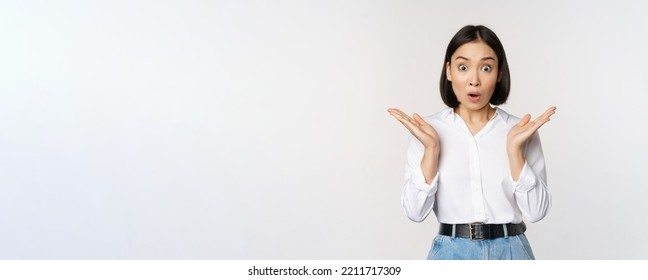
448	75
499	76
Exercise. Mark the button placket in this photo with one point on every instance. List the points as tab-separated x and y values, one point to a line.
475	181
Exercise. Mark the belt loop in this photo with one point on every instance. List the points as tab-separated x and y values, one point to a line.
505	230
454	230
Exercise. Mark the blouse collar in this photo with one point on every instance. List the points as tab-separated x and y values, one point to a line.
499	113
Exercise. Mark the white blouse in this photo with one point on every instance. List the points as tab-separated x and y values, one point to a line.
473	182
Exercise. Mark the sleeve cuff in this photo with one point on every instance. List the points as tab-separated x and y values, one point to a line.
527	180
419	180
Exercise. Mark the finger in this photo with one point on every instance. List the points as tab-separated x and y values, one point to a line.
549	112
403	119
408	122
546	115
524	120
423	125
538	123
413	128
394	111
398	114
419	119
541	121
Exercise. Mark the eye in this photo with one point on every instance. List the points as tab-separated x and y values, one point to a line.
486	68
463	67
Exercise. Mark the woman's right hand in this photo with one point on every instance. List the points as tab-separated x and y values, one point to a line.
423	131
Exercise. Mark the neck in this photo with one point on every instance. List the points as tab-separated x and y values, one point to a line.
481	115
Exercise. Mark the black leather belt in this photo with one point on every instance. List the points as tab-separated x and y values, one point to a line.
479	231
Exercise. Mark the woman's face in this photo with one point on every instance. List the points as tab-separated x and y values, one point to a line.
474	74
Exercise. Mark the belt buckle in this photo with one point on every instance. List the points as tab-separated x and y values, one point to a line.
471	230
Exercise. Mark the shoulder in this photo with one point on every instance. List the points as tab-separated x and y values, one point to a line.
506	117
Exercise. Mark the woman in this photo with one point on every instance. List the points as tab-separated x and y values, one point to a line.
480	169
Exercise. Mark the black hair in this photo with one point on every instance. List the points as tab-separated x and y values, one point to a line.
467	34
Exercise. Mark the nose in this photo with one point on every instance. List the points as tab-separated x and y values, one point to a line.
474	80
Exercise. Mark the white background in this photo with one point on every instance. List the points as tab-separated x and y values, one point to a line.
258	129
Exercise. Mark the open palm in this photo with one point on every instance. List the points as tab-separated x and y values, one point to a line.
523	130
423	131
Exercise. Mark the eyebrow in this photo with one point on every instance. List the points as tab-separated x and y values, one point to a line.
483	58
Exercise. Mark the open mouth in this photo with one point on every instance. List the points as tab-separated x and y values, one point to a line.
474	97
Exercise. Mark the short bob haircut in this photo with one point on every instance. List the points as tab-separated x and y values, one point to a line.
467	34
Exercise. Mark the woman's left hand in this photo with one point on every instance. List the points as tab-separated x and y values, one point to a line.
523	130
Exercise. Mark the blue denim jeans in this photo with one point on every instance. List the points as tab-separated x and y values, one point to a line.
504	248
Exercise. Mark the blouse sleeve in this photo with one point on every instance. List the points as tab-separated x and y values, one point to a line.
531	192
418	197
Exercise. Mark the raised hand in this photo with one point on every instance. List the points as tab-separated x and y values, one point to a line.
523	130
423	131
